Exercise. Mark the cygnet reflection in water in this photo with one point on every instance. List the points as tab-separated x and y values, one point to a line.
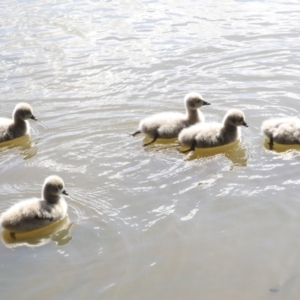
58	232
23	144
280	148
235	152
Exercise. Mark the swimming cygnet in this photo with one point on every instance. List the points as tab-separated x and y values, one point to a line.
33	214
206	135
168	125
17	126
282	131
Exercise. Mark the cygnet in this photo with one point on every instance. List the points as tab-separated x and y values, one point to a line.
33	214
168	125
206	135
282	131
18	125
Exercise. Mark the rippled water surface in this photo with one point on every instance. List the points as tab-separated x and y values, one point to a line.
151	223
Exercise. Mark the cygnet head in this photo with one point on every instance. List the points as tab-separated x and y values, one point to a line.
235	117
52	189
194	101
24	112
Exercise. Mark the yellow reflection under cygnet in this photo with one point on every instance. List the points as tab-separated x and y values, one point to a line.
235	152
159	141
23	144
57	232
280	147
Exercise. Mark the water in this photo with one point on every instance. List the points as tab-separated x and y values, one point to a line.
151	223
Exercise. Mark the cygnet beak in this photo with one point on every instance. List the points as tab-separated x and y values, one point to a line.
245	124
65	192
33	118
205	103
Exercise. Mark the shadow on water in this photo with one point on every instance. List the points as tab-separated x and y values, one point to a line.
23	144
57	232
288	287
235	152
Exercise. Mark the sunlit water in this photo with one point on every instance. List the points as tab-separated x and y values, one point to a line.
151	223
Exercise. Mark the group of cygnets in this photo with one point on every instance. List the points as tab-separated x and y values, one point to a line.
190	129
35	213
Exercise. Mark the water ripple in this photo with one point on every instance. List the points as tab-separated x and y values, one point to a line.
91	70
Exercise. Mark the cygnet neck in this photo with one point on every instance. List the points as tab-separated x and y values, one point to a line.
227	123
192	115
50	198
228	127
19	121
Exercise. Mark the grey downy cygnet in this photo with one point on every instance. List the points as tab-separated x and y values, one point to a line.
284	131
33	214
18	125
206	135
168	125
